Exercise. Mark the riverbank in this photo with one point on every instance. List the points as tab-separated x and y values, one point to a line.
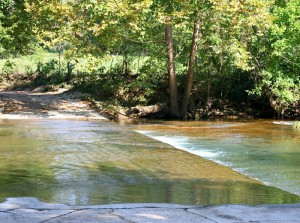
31	210
65	104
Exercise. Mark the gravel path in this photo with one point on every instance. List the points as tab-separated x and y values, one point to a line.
54	105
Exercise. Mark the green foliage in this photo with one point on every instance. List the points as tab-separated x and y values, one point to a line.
8	67
129	90
16	32
23	64
52	72
278	59
4	35
117	49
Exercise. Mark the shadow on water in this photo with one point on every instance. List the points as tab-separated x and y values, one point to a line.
83	163
144	186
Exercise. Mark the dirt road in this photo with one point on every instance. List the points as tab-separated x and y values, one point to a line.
55	105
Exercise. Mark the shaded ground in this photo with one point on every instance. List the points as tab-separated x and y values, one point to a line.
61	104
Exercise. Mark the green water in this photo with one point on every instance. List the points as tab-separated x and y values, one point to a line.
84	163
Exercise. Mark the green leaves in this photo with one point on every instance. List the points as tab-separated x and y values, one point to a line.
257	38
15	28
279	76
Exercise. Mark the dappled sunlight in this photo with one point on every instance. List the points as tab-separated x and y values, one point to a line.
51	105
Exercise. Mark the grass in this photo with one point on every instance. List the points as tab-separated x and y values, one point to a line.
28	64
110	62
20	72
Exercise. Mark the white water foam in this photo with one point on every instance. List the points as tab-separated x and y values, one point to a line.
182	143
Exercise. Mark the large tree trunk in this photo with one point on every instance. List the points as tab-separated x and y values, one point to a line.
208	88
190	73
174	109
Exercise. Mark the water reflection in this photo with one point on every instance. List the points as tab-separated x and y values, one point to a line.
83	163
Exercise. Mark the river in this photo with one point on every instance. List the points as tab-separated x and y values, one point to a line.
97	162
259	149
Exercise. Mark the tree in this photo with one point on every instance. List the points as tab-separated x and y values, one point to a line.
53	21
278	59
242	21
174	109
190	72
196	38
15	28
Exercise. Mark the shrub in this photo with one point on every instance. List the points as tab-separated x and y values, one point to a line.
51	72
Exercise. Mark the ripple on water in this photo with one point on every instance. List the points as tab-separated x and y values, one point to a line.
80	162
260	150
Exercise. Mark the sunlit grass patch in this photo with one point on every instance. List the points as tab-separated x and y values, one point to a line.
26	64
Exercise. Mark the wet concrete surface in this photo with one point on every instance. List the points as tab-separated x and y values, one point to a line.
31	210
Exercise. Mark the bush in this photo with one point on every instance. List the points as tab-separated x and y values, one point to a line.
51	72
8	67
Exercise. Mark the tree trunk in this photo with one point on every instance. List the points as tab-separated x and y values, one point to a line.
190	73
174	109
208	89
147	111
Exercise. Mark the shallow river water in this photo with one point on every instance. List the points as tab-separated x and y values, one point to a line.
259	149
84	163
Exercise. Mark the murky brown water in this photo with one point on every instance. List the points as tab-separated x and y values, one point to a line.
81	163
